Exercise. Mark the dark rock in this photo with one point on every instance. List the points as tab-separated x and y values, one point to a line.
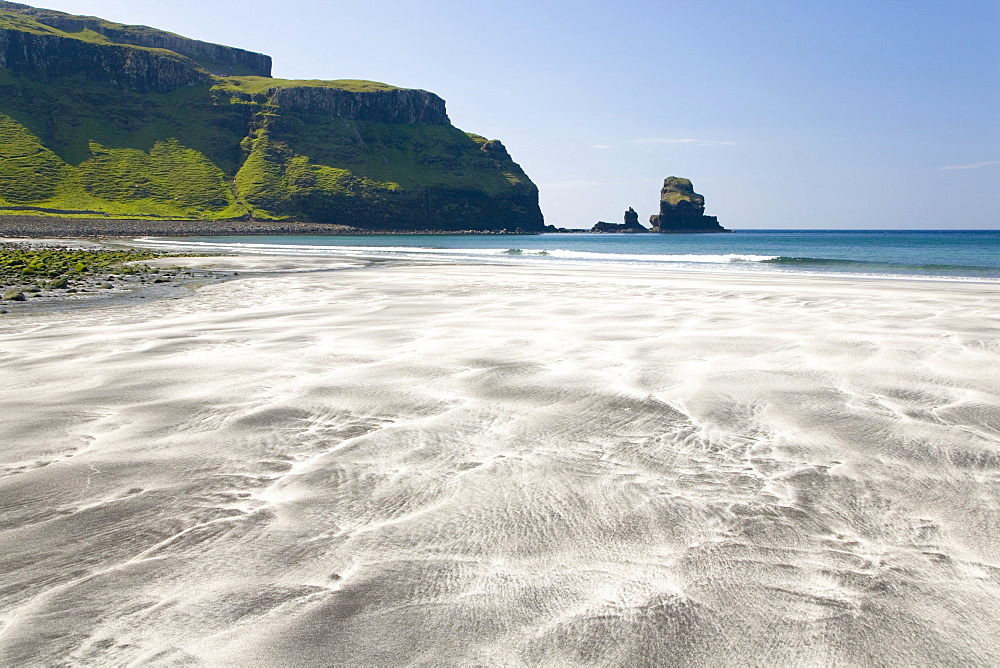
682	209
400	105
496	150
47	57
631	224
631	218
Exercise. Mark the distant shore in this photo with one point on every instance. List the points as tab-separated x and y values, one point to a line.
60	228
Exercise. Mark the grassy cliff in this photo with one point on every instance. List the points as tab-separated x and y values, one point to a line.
103	139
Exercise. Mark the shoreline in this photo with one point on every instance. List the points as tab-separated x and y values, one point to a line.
114	281
57	227
181	273
507	258
169	277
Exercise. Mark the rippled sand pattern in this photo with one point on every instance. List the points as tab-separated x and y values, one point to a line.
472	464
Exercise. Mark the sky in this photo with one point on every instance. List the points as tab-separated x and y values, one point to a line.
789	114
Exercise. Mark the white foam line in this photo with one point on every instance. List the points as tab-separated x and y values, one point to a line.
557	257
510	252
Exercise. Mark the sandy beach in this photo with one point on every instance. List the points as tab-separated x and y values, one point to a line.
335	461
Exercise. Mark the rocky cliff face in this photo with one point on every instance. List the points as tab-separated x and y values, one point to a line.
215	58
49	57
682	209
128	121
376	174
399	105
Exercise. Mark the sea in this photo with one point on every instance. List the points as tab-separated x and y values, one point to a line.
950	255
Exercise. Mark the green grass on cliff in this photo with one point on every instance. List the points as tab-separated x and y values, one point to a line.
275	177
28	171
678	189
674	197
68	116
84	147
412	156
127	34
24	23
168	180
258	85
168	172
341	170
76	146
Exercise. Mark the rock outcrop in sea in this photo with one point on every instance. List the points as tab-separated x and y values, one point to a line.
682	209
631	224
128	122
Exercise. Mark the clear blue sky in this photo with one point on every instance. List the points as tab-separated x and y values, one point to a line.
784	113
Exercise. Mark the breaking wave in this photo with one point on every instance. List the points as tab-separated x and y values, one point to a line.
397	251
705	261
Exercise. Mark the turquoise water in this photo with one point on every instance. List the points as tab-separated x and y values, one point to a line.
956	255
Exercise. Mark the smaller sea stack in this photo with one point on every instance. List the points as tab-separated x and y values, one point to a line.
682	210
631	224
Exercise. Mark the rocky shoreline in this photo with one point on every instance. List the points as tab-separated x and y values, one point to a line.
132	279
57	227
53	227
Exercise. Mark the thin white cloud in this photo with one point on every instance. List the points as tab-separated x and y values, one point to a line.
665	140
684	140
973	165
602	146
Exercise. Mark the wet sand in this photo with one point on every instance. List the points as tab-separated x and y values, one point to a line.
384	464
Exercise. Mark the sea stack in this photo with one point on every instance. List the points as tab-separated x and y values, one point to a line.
682	209
631	224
